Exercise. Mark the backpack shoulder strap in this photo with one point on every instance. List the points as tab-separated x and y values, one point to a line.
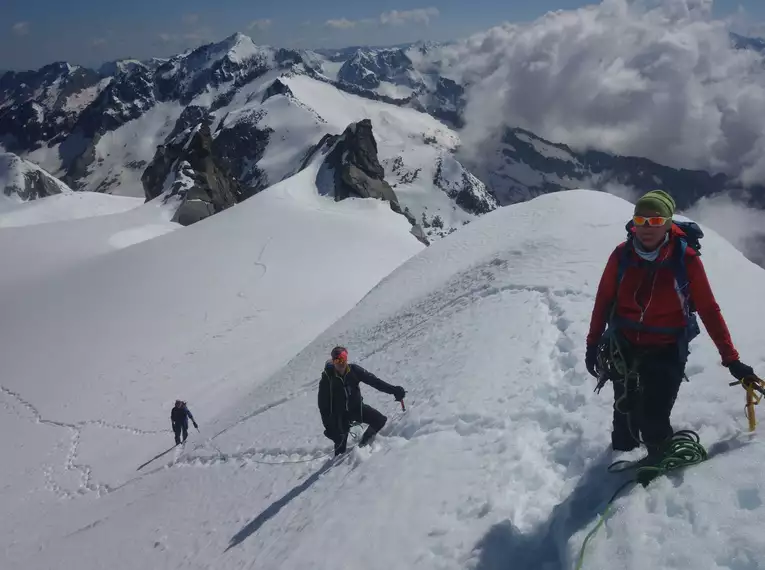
681	272
624	261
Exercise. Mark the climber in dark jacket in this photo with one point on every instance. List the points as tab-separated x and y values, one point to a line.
340	401
179	418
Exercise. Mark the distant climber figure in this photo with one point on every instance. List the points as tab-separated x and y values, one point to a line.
340	401
650	291
179	418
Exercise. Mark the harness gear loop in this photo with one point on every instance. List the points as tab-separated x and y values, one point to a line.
613	364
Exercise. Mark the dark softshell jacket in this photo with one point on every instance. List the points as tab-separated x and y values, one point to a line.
181	416
340	395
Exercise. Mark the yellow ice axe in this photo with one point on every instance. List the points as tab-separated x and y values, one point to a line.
751	384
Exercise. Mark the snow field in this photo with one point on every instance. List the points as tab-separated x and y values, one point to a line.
499	460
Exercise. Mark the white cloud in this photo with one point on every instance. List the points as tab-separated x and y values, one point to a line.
98	42
402	17
192	38
421	16
742	226
190	19
662	82
20	28
260	25
341	24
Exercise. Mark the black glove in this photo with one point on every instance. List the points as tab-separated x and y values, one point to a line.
591	360
195	425
739	370
399	393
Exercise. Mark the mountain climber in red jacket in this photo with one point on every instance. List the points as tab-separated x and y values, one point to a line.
648	295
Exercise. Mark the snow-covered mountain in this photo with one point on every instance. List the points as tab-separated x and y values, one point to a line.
21	180
499	457
523	165
267	108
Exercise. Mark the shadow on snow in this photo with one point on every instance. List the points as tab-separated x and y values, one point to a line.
505	547
273	509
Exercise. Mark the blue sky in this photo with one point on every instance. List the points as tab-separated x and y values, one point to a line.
92	31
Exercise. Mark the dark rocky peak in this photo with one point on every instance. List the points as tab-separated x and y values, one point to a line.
187	171
355	155
278	87
239	147
23	126
463	187
190	118
234	60
352	169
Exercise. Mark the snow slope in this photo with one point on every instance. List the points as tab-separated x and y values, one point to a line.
498	462
94	351
42	238
66	206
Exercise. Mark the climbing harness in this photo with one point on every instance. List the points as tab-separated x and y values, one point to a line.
612	364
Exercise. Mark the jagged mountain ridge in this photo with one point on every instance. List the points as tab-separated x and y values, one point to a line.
260	130
80	124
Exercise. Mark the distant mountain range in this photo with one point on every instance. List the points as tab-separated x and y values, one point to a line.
265	109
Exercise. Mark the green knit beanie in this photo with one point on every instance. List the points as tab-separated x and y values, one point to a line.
657	201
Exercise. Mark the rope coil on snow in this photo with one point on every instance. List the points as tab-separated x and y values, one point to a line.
681	450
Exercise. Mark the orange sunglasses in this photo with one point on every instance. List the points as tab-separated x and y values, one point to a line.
342	357
653	221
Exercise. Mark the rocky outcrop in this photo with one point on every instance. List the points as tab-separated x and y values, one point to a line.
278	87
461	186
239	147
27	181
185	170
356	171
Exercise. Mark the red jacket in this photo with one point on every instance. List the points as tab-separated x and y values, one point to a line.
658	300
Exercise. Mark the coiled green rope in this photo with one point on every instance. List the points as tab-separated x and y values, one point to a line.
681	450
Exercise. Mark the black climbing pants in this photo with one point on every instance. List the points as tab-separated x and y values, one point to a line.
180	429
368	415
374	419
642	407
